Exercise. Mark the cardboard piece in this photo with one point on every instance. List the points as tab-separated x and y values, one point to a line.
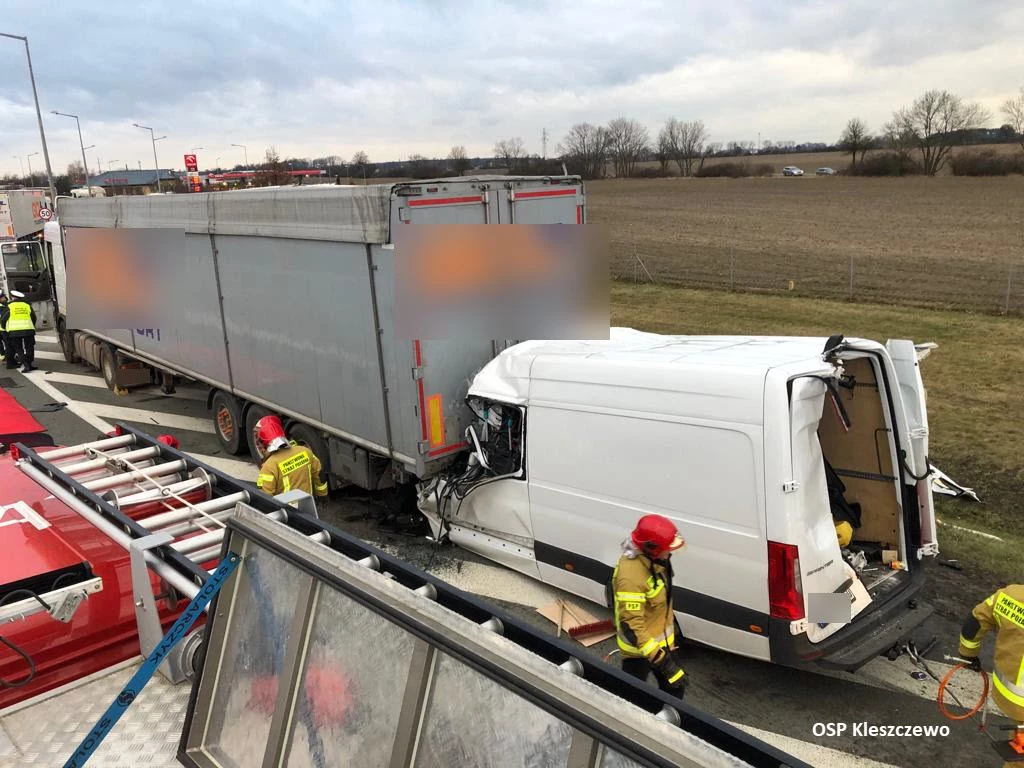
888	555
573	616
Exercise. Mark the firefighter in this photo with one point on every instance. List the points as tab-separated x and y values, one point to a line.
1002	611
21	331
5	354
288	466
645	624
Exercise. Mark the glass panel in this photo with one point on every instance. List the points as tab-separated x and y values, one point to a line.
243	704
611	759
474	721
351	691
22	257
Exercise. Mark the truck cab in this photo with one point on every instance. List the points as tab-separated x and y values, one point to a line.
25	267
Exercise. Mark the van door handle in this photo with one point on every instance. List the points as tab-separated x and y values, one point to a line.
845	586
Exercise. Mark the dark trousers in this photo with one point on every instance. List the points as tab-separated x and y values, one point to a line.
23	343
642	668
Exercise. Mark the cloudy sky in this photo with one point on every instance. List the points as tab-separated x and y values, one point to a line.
394	78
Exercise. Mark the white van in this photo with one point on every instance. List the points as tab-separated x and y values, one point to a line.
730	438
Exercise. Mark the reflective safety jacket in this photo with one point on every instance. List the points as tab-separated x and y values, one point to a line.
642	596
292	468
20	317
1003	612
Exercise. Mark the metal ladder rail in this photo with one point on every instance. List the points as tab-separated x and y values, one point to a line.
179	562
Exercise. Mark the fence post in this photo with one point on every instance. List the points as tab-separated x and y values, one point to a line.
851	277
732	268
1009	288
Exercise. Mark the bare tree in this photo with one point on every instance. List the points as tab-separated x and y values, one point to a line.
585	148
663	149
511	152
686	142
1014	111
855	139
934	123
274	172
359	163
627	141
458	159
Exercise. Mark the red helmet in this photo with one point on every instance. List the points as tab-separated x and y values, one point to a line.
656	535
270	433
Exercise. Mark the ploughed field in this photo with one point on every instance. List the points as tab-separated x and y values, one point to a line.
955	242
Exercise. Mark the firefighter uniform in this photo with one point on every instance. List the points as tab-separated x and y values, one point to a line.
644	618
1004	613
292	468
20	329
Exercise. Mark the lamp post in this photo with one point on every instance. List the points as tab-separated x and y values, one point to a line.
155	161
245	152
216	163
31	178
39	116
85	165
21	163
110	164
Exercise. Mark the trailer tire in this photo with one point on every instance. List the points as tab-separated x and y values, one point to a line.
227	422
253	414
108	365
67	342
306	436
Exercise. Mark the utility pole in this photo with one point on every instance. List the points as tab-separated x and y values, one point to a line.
544	144
155	161
31	177
21	163
39	117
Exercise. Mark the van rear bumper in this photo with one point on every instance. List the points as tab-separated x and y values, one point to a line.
849	649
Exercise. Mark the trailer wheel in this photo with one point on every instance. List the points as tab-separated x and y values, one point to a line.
308	437
253	414
67	342
227	423
108	366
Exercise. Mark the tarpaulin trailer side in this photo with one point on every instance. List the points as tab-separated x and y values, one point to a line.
284	299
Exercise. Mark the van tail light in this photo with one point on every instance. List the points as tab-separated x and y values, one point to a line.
784	592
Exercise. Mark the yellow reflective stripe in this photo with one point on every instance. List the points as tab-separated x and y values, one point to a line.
653	593
649	647
1012	693
265	478
676	676
634	596
286	483
990	600
1010	609
972	644
322	488
298	461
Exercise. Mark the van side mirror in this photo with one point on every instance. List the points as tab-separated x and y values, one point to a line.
478	451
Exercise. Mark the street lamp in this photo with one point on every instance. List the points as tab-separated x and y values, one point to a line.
21	163
85	165
216	163
29	158
39	116
245	151
110	164
155	161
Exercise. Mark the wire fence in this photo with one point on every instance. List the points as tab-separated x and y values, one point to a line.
960	283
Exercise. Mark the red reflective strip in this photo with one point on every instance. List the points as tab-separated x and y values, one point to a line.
445	201
448	449
579	214
546	193
423	399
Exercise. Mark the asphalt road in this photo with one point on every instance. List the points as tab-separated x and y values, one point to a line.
777	704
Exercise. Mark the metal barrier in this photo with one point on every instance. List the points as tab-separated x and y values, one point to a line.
338	654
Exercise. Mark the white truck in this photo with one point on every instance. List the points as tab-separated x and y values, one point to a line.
748	444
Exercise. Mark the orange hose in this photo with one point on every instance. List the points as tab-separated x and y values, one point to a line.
941	698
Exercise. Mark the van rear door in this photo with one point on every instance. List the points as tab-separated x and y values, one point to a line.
906	359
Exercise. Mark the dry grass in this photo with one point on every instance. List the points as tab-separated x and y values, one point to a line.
947	241
975	399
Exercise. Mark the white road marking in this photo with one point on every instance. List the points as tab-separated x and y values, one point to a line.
154	418
87	413
78	379
815	754
46	338
44	355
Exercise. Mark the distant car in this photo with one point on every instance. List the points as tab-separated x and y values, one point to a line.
792	170
825	172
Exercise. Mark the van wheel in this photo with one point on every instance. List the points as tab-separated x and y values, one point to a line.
253	414
67	342
227	422
108	366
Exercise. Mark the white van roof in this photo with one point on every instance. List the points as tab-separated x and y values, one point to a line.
646	361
